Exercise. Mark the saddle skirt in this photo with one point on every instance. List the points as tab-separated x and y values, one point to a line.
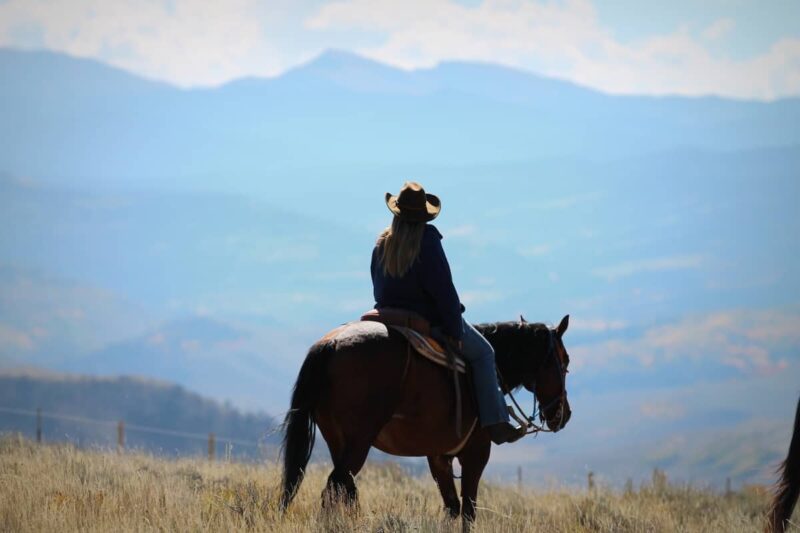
426	346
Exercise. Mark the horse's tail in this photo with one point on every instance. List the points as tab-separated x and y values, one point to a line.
299	425
788	487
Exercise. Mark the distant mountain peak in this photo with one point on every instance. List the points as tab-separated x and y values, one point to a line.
338	58
354	72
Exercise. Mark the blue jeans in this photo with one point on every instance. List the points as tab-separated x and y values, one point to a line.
480	357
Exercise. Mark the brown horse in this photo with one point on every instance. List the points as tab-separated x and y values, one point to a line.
371	390
788	487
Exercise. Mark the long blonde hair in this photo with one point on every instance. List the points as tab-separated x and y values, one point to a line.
399	246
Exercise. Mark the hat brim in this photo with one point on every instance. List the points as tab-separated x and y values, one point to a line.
432	208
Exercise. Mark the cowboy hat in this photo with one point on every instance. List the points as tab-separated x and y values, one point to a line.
413	203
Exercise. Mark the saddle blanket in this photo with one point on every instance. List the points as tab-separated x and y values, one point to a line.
425	346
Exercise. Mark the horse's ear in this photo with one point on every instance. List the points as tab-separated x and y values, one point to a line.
562	327
522	319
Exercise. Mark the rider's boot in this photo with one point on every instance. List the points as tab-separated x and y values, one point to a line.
505	432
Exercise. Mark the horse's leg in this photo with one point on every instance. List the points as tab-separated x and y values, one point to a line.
473	459
335	488
442	470
363	393
349	449
341	484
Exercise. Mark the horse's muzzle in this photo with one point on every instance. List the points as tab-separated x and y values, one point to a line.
560	417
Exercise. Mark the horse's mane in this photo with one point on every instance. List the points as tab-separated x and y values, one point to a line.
511	340
509	326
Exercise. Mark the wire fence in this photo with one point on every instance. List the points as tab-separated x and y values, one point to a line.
659	476
122	427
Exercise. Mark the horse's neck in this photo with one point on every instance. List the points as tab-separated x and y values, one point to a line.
512	344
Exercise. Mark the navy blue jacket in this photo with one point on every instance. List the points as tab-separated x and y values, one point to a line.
426	288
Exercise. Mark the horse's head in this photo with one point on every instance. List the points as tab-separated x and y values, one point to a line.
549	381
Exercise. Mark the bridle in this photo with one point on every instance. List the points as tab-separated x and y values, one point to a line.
529	422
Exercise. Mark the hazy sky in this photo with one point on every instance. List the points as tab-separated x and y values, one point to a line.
737	48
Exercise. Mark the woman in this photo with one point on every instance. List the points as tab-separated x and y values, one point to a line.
410	271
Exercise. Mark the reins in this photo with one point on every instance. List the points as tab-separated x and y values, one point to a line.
529	422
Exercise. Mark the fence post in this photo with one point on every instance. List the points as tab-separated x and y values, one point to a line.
728	491
590	480
38	424
121	436
519	477
211	447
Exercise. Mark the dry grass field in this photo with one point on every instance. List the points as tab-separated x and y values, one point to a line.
60	488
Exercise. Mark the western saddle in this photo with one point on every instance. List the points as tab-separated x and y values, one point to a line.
393	316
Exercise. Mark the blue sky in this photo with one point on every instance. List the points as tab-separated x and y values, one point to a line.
726	47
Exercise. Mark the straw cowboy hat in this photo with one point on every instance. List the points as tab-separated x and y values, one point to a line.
413	203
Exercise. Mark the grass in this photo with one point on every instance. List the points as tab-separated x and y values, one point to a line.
61	488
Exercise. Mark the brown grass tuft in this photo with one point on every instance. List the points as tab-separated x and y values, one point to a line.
60	488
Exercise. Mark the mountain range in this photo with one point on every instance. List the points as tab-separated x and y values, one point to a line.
99	125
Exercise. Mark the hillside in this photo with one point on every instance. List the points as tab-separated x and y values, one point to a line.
223	294
84	410
60	488
201	354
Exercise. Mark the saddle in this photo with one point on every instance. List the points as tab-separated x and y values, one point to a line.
417	330
393	316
